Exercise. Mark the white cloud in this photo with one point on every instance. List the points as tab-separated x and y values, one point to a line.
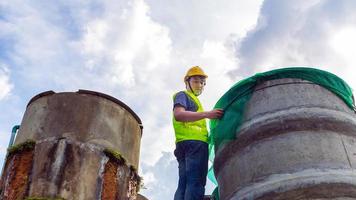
4	137
192	22
127	42
344	43
5	85
299	33
218	59
3	150
158	187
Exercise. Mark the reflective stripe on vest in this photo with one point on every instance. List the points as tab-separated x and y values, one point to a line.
191	130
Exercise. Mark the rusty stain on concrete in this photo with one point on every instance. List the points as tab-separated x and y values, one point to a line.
17	171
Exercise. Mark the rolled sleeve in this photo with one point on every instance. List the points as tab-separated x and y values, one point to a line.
180	100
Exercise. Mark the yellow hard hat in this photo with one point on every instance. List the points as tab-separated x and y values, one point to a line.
195	71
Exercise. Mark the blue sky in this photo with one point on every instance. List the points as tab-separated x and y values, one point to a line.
139	50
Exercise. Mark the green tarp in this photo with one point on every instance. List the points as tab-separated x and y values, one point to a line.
234	100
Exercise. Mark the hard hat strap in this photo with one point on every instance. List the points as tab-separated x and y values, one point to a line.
190	87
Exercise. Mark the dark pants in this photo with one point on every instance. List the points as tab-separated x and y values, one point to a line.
192	157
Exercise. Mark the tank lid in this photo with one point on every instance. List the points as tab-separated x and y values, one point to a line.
108	97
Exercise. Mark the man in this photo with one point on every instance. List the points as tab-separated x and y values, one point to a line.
192	136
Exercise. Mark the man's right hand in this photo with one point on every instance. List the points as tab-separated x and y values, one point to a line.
215	114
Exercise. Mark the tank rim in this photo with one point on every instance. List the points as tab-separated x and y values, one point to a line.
81	91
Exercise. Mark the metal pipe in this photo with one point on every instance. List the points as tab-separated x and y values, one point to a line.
13	135
11	142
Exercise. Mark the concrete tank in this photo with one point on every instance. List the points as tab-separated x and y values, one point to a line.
83	145
141	197
297	141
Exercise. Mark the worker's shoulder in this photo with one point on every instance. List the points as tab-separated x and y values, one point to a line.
179	94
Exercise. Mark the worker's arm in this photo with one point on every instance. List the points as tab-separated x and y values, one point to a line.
180	114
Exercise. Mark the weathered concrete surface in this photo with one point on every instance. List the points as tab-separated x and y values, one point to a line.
141	197
75	171
297	141
84	116
67	169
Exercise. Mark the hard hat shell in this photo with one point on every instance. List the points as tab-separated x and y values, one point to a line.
195	71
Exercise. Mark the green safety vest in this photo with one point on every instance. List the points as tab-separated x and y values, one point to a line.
191	130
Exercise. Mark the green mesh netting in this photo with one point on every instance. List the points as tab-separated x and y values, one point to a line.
234	100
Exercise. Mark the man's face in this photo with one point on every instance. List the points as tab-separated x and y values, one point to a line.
197	83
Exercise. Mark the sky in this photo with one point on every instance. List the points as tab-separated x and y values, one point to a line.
138	52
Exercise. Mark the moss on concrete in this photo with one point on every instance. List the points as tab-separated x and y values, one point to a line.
115	155
140	184
133	168
27	145
136	177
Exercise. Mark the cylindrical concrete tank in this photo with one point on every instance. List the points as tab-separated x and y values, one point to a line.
83	145
141	197
297	141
